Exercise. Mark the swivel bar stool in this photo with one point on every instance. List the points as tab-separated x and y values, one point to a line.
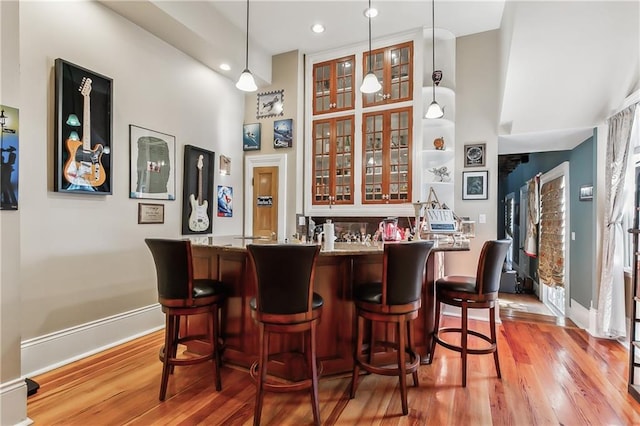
180	295
467	293
285	303
397	300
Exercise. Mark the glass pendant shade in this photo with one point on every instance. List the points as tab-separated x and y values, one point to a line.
246	82
434	111
370	83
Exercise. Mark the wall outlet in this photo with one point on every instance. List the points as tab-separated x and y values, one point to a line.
301	220
482	218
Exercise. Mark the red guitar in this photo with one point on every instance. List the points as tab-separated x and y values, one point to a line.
84	166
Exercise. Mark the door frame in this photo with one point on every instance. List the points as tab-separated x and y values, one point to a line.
268	160
561	170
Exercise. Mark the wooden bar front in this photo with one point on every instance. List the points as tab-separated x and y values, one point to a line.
337	273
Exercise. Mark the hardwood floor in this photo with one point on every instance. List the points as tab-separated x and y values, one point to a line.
551	375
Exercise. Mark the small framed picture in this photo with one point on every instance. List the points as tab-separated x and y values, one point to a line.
152	166
251	137
283	133
474	185
270	104
586	193
150	213
474	155
225	165
225	201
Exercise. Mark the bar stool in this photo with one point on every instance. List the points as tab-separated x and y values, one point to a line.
467	293
285	303
180	295
397	300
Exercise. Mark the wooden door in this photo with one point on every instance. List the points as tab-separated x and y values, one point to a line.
265	202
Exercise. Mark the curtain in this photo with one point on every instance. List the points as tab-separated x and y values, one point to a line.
552	233
610	320
533	217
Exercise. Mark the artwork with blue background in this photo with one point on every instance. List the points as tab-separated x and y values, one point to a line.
225	201
9	164
251	137
283	133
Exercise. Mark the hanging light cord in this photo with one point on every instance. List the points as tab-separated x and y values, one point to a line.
433	45
246	50
369	16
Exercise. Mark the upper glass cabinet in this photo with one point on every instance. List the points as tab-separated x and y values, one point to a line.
333	85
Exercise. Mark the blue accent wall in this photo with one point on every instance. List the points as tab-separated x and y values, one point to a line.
582	166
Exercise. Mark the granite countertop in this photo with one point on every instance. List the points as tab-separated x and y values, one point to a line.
239	244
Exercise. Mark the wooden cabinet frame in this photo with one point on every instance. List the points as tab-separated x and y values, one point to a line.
387	156
394	67
334	81
332	160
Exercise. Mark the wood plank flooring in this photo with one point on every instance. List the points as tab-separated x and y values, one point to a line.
551	375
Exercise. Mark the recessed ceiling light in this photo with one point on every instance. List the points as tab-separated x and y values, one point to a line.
317	28
225	67
371	12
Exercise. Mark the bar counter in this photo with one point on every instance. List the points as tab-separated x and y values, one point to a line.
338	272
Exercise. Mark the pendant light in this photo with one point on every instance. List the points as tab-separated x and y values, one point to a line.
370	83
434	110
246	82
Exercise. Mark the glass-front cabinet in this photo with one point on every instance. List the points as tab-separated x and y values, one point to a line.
333	85
393	66
387	153
333	161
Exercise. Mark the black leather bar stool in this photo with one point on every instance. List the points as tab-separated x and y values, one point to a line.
180	295
397	300
285	303
479	292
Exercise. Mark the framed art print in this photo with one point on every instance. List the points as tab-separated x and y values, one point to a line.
283	133
474	185
83	128
152	171
9	154
197	194
474	155
270	104
251	137
225	201
150	213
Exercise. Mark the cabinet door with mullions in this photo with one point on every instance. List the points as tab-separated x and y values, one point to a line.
333	161
393	66
386	168
333	85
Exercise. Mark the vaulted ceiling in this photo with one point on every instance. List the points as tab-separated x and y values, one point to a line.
567	65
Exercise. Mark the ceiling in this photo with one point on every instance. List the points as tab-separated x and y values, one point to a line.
567	65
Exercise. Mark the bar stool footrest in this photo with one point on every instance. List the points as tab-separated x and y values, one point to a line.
457	348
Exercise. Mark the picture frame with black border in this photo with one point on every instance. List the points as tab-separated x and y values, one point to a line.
586	192
283	133
475	185
475	155
198	191
83	130
152	169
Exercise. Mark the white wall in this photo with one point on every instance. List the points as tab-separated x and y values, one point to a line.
477	104
83	256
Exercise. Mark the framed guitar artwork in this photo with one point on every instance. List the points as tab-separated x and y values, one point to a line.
198	191
83	130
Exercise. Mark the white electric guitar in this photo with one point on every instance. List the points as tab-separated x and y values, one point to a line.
198	219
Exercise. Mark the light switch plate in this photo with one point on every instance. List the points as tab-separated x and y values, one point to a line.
482	218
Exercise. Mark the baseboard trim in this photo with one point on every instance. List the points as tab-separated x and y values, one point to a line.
580	315
13	403
44	353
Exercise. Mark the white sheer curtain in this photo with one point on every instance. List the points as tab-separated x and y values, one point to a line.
610	321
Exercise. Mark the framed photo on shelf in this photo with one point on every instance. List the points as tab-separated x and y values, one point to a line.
270	104
83	130
197	194
251	137
150	213
283	133
474	185
474	155
152	171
